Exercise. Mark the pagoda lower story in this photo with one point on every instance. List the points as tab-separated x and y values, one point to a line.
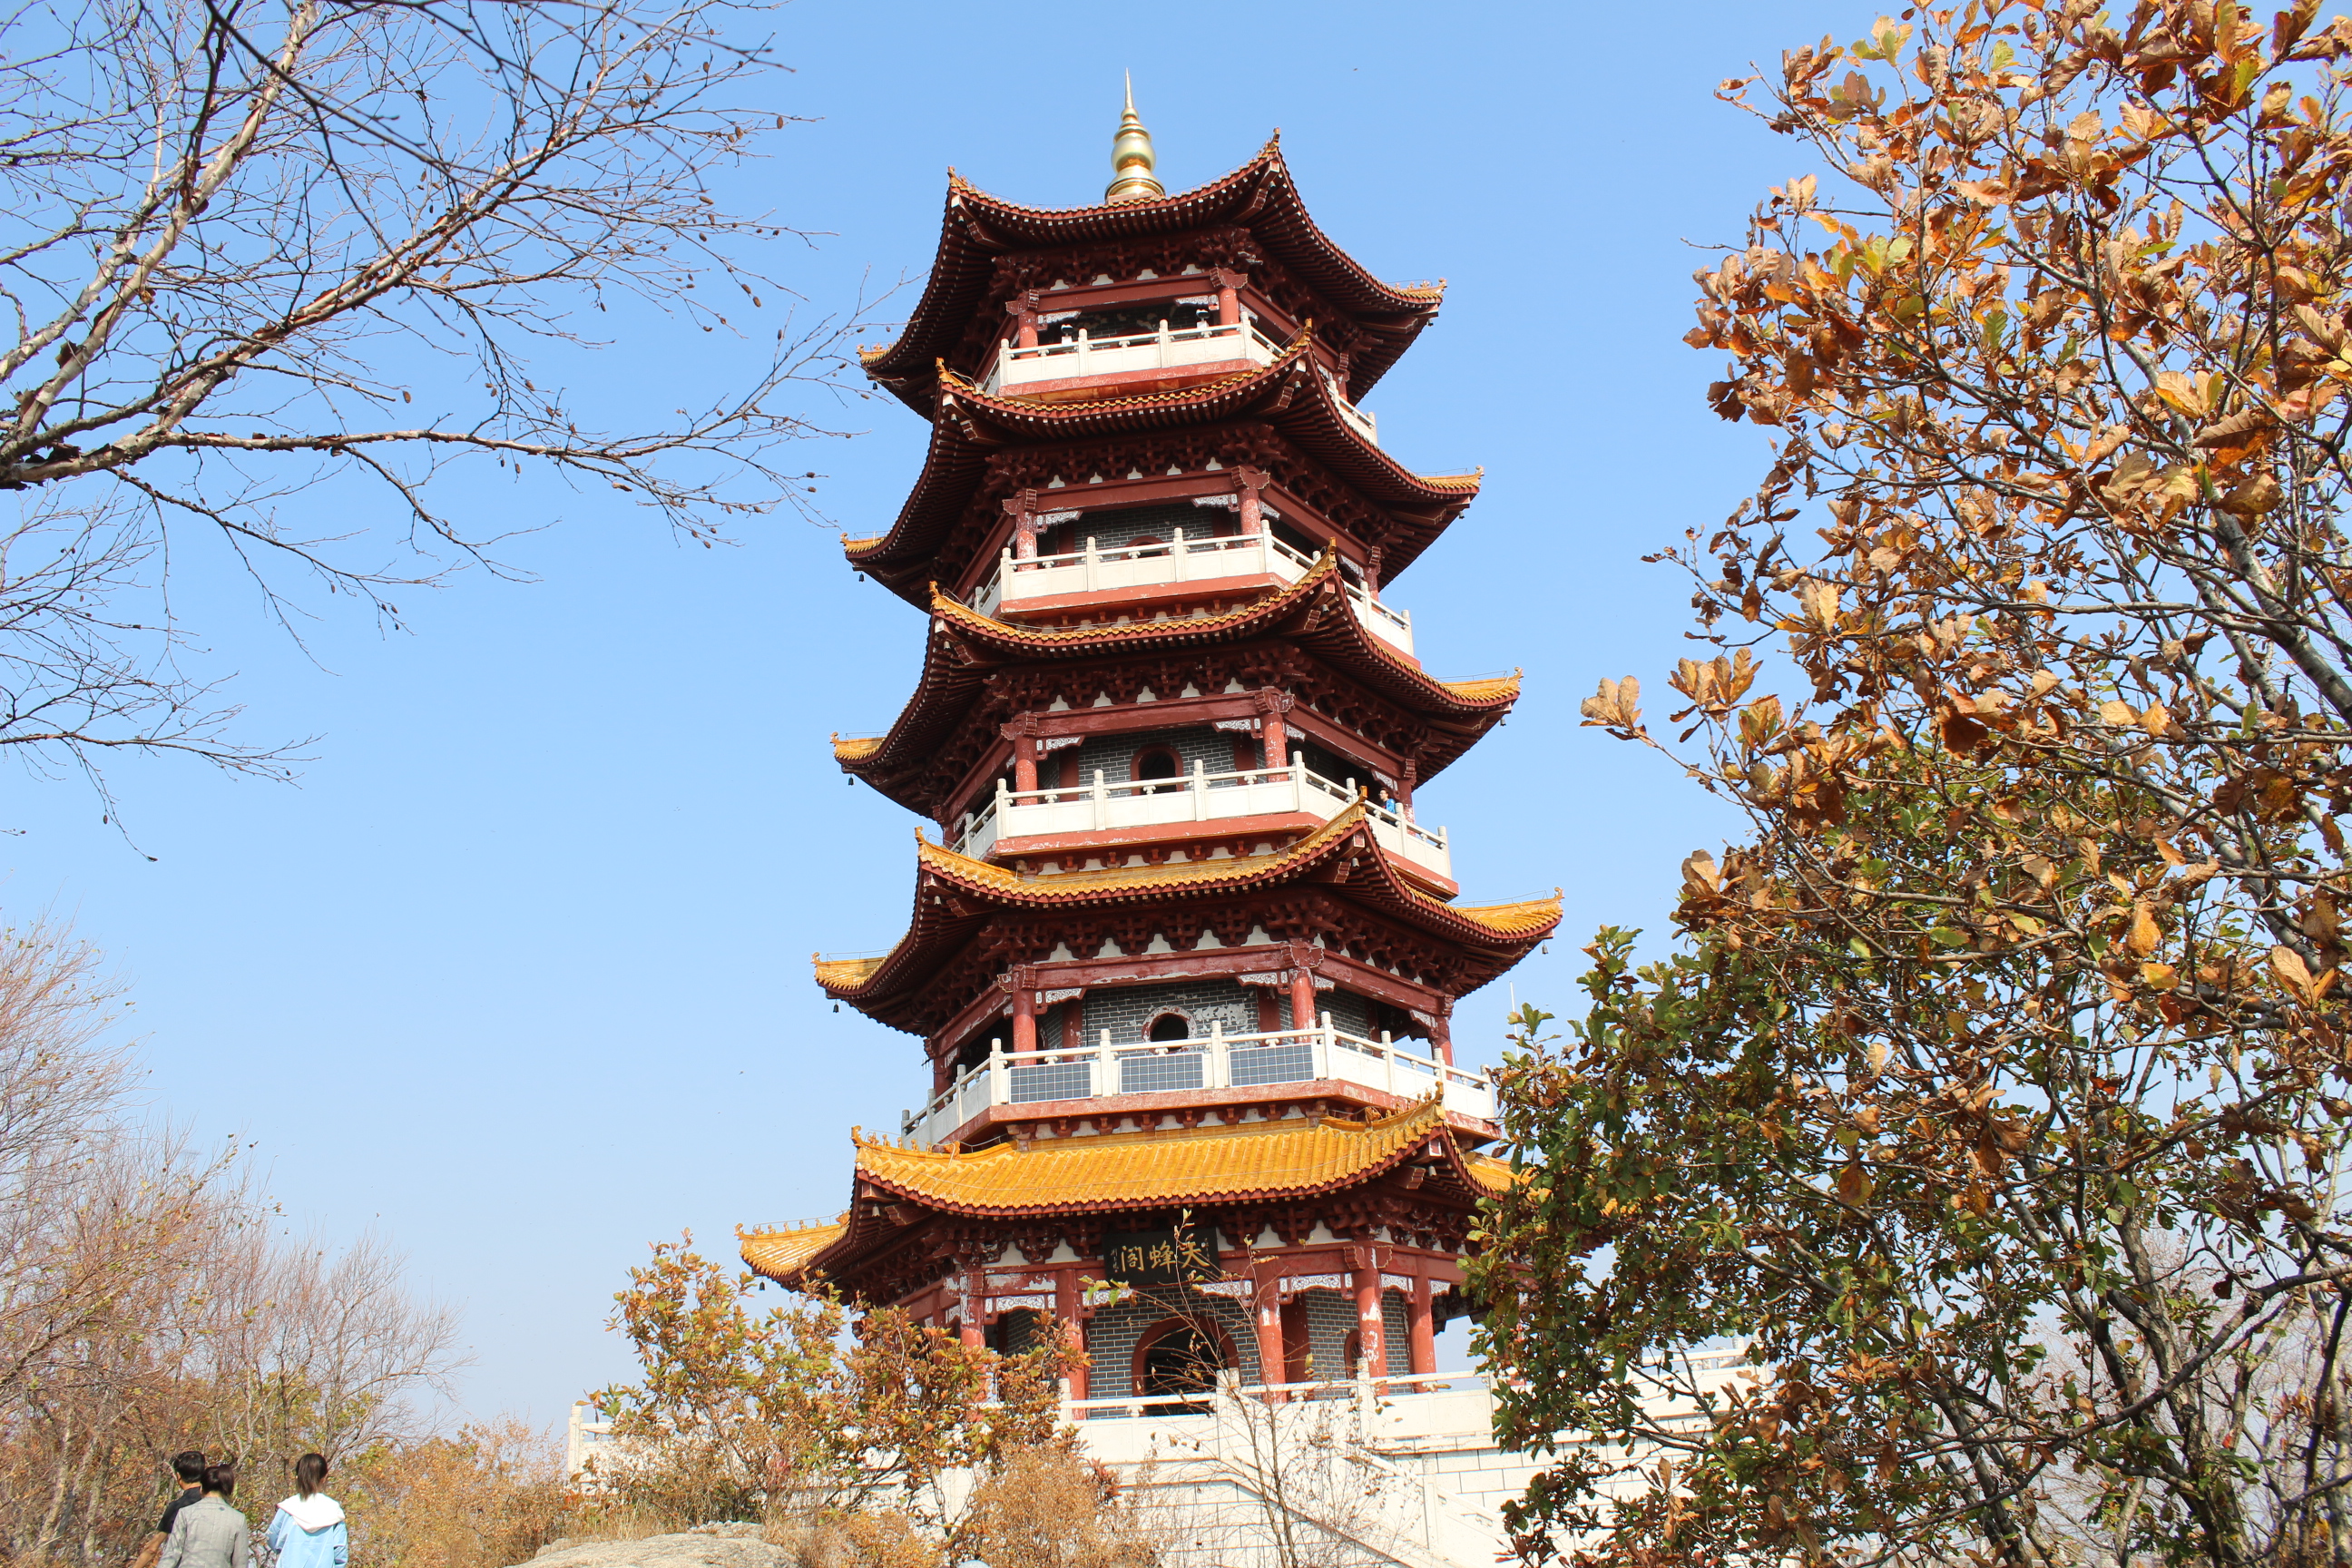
1289	1247
1183	957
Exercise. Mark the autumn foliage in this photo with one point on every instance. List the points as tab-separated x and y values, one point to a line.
802	1414
1993	1100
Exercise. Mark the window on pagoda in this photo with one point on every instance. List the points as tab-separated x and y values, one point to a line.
1155	763
1137	526
1296	539
1326	763
1152	755
1180	1356
1129	321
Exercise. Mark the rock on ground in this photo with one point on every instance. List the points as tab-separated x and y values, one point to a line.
706	1546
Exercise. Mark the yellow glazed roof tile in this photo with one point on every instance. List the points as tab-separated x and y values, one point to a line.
780	1252
841	973
1503	920
1135	879
1485	690
1326	566
965	387
856	748
1527	914
1127	1170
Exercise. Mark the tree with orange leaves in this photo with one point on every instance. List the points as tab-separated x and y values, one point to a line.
1993	1101
802	1411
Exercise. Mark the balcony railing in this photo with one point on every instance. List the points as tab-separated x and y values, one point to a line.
1182	559
1219	1061
1204	797
1166	349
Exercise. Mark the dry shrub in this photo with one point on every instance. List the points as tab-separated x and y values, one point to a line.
856	1540
1048	1507
490	1496
674	1481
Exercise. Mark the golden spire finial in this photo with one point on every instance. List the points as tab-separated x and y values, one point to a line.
1131	158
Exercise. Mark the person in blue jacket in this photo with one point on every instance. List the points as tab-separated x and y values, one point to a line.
308	1530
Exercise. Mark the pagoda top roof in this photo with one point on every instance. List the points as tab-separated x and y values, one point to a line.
1341	855
1260	196
1292	395
1315	610
1115	1172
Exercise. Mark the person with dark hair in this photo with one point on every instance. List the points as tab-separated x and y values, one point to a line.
308	1530
189	1468
209	1532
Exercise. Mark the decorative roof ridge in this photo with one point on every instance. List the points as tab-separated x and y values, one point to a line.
1326	566
806	1228
1494	915
1429	1108
1475	691
845	971
1537	902
955	384
987	876
1324	1154
782	1254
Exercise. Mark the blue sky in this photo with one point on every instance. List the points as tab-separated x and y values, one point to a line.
516	971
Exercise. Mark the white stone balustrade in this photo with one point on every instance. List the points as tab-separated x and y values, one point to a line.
1219	1061
1202	796
1186	558
1017	369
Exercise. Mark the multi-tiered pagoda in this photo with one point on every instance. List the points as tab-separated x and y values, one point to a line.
1182	958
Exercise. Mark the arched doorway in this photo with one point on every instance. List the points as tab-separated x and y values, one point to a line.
1168	1027
1154	765
1182	1355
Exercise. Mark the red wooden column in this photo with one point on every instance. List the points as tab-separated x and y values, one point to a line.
1421	1319
1302	998
1272	1364
1304	960
1441	1033
1023	733
1271	732
973	1330
1229	298
1371	1330
1250	482
1074	1333
1023	509
1024	983
1022	309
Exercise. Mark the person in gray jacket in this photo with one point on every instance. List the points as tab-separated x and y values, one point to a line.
210	1532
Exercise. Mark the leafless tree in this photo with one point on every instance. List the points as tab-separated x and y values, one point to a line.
255	246
148	1304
